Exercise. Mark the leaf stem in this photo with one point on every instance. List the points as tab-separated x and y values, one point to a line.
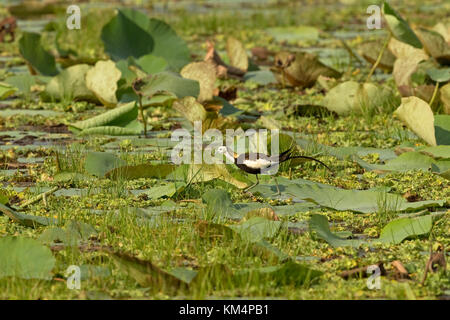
380	55
141	109
436	88
39	197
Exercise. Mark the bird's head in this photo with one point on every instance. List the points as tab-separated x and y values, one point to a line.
222	150
229	154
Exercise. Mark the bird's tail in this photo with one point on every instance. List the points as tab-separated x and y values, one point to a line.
303	157
282	157
287	155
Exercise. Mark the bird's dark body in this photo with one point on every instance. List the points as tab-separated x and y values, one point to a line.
247	169
250	156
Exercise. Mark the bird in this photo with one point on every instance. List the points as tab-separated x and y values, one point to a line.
258	163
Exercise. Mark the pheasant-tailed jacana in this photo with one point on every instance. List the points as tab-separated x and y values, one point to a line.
256	163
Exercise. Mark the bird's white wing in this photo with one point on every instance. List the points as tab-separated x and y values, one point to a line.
257	163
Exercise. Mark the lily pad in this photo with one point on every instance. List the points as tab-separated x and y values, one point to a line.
262	77
25	258
257	229
132	34
208	172
294	34
141	171
73	233
167	190
123	37
6	90
99	163
406	161
368	200
400	229
393	233
23	82
220	205
289	273
342	199
442	129
147	274
438	152
167	82
26	219
167	44
443	171
439	75
40	60
318	225
152	64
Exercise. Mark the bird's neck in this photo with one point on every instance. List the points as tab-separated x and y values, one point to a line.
230	155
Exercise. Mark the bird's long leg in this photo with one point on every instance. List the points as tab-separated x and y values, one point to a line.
253	185
276	183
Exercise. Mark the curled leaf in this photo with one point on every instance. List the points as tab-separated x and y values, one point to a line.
351	96
301	69
445	97
69	84
237	54
119	121
399	28
102	80
370	50
443	28
403	50
419	117
116	117
435	45
205	73
190	109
